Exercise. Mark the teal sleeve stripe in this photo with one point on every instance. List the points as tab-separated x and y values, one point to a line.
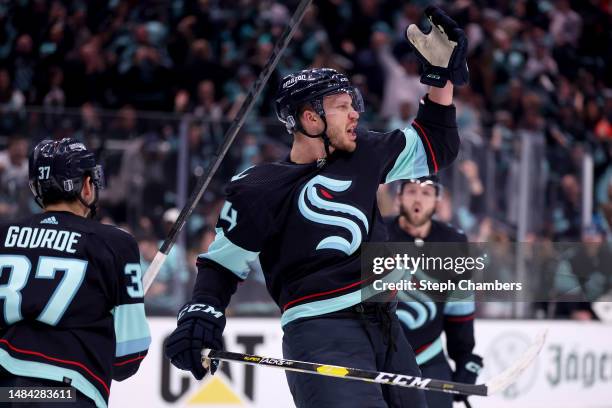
459	308
50	372
131	323
132	346
230	256
430	352
412	161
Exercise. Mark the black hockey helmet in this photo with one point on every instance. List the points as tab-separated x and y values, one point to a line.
431	180
57	170
310	86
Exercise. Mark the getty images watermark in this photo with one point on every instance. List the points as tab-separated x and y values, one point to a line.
487	272
408	266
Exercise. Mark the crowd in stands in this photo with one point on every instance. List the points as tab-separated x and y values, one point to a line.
123	75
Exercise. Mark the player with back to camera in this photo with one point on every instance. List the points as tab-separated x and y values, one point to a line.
423	319
71	288
304	219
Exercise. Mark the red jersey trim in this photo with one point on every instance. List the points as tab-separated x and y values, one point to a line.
433	155
75	363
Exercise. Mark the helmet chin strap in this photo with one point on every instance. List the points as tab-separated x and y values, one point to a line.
317	105
93	206
322	135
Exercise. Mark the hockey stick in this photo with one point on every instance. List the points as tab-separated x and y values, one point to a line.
230	135
496	384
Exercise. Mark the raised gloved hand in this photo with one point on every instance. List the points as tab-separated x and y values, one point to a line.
467	372
442	51
198	326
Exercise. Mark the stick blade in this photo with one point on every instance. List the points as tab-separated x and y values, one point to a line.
507	377
603	308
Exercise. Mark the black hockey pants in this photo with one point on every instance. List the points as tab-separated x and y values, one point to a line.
364	336
439	369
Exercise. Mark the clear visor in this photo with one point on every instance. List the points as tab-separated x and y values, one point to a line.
356	97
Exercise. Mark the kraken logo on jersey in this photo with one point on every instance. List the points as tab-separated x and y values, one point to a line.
334	241
415	309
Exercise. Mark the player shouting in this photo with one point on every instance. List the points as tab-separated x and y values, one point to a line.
424	320
304	220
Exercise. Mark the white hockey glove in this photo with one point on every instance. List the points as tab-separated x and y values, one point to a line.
442	51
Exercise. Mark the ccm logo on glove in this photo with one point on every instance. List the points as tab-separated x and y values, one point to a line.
200	307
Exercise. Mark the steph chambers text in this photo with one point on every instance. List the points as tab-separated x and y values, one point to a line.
446	286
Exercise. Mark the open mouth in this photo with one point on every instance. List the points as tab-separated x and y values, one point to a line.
351	133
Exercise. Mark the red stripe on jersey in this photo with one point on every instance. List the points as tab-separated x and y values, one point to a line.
128	361
36	353
433	155
286	306
422	348
458	319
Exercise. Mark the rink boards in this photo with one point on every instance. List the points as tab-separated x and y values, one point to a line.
574	369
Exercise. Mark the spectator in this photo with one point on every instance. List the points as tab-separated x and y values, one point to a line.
169	286
182	102
55	99
13	176
159	297
12	104
24	67
208	107
404	118
402	81
585	276
147	84
566	214
565	24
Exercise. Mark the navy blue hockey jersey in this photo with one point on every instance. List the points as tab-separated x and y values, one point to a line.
424	320
305	223
72	300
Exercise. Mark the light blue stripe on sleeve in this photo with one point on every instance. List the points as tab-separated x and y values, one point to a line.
132	346
412	161
459	308
50	372
131	329
230	256
430	352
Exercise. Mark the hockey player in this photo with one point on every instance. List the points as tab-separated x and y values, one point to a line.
423	320
71	289
304	220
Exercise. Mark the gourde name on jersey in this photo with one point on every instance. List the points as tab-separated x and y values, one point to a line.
27	237
71	302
